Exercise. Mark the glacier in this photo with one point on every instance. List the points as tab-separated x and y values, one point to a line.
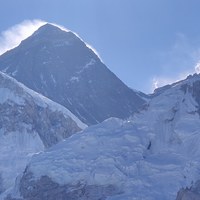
152	155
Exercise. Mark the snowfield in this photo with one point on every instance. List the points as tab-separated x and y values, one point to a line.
150	156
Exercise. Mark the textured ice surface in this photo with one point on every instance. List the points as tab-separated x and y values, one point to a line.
150	156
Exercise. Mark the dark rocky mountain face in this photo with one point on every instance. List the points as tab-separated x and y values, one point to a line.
60	66
46	189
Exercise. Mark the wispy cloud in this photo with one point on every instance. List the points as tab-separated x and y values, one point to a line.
14	35
94	50
160	81
182	59
197	67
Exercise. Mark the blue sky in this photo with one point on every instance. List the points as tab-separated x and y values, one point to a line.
146	43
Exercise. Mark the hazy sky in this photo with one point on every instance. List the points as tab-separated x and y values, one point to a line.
146	43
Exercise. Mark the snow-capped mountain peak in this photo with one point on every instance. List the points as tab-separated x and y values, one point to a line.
55	63
152	155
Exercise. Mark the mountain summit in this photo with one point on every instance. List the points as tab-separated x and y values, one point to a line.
59	65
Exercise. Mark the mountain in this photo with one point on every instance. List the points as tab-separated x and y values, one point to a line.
29	123
59	65
153	155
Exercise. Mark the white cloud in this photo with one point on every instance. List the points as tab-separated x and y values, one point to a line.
161	81
178	62
14	35
197	67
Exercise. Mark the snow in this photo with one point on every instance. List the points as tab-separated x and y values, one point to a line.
7	94
16	149
43	81
14	73
74	151
92	62
18	141
150	156
44	63
61	43
112	153
74	79
5	70
88	65
53	79
38	99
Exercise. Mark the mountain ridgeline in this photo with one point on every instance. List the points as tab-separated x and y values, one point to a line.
46	151
59	65
154	155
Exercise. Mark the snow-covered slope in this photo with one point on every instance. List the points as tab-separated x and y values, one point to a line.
59	65
91	165
150	157
29	123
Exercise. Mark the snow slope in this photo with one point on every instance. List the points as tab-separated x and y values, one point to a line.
151	156
29	123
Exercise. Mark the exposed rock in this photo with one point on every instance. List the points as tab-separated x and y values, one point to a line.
51	126
186	194
192	193
47	189
1	185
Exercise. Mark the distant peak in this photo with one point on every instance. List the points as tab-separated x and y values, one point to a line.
49	28
193	76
